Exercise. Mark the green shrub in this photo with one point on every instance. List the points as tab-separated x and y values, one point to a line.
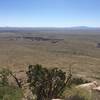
78	81
10	93
4	73
47	83
76	94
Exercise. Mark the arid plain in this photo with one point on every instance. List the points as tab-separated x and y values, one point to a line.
79	49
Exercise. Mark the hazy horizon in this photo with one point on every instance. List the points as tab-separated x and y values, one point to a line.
48	27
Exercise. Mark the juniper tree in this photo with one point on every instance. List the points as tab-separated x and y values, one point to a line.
47	83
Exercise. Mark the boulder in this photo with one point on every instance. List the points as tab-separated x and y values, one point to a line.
96	93
88	86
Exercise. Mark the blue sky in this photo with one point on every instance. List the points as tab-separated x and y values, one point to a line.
49	13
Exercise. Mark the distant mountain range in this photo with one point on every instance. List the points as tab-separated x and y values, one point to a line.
65	30
47	28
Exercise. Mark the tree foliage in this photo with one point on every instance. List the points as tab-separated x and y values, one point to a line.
8	92
47	83
4	73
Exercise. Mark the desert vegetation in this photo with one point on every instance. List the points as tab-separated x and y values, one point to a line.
44	84
8	92
56	53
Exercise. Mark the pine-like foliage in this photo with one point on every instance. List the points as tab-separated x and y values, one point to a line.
47	83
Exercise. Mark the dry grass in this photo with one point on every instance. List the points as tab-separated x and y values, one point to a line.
80	51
